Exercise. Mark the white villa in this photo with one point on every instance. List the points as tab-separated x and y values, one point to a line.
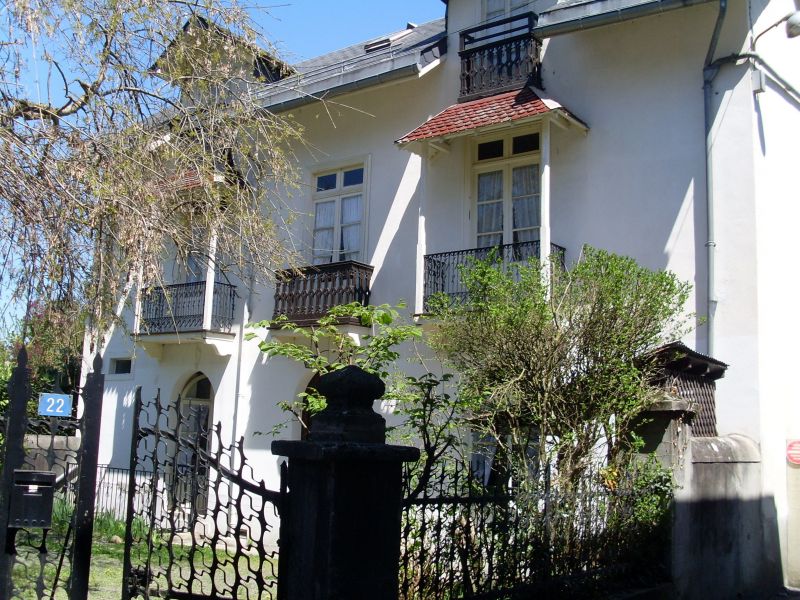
666	130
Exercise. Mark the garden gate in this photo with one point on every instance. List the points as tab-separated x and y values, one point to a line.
198	524
49	470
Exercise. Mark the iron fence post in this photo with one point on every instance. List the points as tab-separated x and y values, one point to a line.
340	526
19	391
130	505
84	506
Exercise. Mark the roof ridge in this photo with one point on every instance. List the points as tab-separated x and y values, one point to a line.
367	41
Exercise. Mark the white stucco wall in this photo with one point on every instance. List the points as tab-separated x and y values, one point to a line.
634	185
775	131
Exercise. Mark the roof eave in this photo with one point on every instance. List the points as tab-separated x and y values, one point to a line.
558	112
412	64
578	16
298	97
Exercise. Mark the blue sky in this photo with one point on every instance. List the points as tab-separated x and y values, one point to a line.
302	29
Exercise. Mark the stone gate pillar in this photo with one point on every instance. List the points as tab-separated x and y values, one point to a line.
340	524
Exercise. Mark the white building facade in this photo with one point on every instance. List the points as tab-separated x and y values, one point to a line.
623	130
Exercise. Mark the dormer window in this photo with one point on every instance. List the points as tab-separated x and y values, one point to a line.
387	41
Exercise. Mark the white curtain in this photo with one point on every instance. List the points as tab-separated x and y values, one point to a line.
324	219
519	6
525	202
350	236
525	181
495	9
490	186
490	217
351	210
490	209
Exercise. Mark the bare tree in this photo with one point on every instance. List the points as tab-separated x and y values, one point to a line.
129	133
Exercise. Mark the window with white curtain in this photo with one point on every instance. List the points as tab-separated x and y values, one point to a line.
338	215
507	190
499	9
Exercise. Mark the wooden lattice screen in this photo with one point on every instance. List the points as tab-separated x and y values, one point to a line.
701	392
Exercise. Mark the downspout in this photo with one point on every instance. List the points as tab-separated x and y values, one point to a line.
710	71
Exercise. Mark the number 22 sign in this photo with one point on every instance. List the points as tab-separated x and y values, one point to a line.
55	405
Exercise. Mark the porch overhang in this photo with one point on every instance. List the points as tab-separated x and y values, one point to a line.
509	109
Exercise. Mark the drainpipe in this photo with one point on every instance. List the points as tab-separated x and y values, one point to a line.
710	71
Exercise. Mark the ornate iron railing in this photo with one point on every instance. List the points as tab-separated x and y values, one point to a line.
467	533
443	270
306	294
499	56
180	308
199	521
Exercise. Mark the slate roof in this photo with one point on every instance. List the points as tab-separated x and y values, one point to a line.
355	55
468	116
340	71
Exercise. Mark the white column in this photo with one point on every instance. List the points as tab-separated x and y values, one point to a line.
422	245
544	197
208	299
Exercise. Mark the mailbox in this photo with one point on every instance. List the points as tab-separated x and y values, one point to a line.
31	503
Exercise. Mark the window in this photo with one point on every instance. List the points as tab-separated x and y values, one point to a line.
121	366
507	190
338	215
499	9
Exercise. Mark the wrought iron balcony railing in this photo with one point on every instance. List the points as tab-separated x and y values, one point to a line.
499	56
442	273
307	294
181	308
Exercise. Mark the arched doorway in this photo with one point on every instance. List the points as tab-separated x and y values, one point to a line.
190	489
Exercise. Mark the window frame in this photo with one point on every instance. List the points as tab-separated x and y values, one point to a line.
112	364
505	163
338	194
507	11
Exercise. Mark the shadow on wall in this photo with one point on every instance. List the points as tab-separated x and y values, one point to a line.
725	533
726	548
272	381
120	456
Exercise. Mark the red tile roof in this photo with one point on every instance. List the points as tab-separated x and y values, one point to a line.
502	108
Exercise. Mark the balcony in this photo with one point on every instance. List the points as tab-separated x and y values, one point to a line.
186	308
443	271
499	56
307	294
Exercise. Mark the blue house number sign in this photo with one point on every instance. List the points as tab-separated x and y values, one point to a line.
55	405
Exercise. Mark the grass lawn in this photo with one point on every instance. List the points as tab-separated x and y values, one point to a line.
105	576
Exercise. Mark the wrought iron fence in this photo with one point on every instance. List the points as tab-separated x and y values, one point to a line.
462	538
499	56
47	494
181	307
443	270
198	522
111	497
307	294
